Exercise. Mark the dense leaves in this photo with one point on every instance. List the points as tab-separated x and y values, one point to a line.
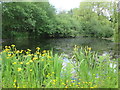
41	19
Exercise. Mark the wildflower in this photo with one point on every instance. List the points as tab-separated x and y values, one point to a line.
9	55
30	69
13	45
30	61
19	69
17	51
66	81
21	62
38	48
21	51
35	58
15	80
7	50
54	80
42	60
6	46
29	54
14	63
53	72
29	50
89	49
15	86
49	57
43	54
27	63
44	51
37	52
79	83
66	87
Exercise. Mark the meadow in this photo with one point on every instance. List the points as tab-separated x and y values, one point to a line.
44	69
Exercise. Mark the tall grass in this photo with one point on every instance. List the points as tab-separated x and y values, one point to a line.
43	69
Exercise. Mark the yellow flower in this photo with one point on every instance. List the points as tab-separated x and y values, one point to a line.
43	54
30	61
53	72
14	63
15	80
42	60
17	51
7	49
21	62
30	69
19	69
27	63
9	55
6	46
13	45
38	48
15	86
29	54
66	87
49	57
77	85
21	51
54	80
37	52
44	51
89	49
35	58
29	50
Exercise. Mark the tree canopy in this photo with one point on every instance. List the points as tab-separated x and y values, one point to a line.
95	19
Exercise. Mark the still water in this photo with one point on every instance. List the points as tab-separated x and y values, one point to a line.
60	44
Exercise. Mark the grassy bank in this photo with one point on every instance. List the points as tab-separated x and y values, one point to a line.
43	69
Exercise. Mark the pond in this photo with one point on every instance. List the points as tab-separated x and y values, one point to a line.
60	44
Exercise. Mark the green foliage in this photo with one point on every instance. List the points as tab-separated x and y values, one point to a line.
43	69
41	19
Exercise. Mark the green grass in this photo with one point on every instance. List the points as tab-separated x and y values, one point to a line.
43	69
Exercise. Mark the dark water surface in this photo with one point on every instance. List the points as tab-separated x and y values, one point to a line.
61	44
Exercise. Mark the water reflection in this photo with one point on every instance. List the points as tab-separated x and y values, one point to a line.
60	45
